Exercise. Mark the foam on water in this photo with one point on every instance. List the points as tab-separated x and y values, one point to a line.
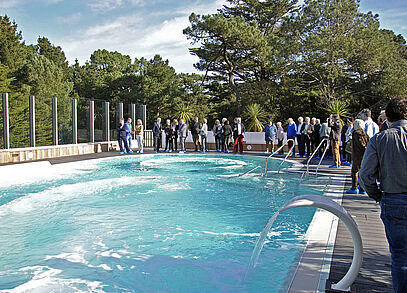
28	173
168	160
45	280
66	192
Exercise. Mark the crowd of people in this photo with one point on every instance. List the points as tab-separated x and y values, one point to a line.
226	136
177	132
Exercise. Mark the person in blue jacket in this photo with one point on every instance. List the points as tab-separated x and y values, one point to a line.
122	137
129	132
157	135
270	132
291	134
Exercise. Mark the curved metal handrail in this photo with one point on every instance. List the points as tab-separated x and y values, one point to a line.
313	154
276	151
285	159
248	172
334	208
322	157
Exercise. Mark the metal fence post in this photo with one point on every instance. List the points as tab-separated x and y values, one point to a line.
119	111
133	116
54	121
144	115
74	121
107	122
6	122
92	121
32	120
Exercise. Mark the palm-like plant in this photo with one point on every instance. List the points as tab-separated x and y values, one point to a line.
340	108
256	116
183	111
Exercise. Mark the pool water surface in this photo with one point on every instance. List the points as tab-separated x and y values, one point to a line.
152	223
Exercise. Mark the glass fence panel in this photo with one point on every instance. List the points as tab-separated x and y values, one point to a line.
83	120
43	121
1	124
114	120
64	109
19	120
100	132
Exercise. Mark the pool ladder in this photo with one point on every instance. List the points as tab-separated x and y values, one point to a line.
275	152
322	157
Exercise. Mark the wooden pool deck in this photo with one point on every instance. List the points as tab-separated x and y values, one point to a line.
375	274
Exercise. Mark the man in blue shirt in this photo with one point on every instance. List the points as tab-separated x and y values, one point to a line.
121	137
270	132
129	132
291	134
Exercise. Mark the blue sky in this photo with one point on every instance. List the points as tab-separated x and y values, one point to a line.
139	28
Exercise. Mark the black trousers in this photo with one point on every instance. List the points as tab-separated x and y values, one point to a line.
168	143
157	143
307	144
301	144
123	140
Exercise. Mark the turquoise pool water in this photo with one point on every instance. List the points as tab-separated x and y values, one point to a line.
159	223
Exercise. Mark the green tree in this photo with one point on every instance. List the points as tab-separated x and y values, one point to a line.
47	80
53	53
226	42
13	52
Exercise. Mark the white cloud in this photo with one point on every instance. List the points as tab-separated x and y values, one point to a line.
107	5
5	4
132	36
69	19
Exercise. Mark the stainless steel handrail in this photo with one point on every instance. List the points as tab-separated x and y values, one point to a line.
248	172
278	170
275	152
322	157
313	154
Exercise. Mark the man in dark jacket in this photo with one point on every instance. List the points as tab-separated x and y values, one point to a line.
157	135
122	137
195	133
385	160
359	141
316	138
227	135
334	138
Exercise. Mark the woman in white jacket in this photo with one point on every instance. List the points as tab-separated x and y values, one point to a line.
203	132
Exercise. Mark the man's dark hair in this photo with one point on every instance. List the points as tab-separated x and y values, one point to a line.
396	109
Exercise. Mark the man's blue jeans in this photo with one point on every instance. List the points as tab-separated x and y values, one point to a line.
394	217
129	138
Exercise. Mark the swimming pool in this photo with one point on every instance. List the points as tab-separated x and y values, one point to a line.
156	223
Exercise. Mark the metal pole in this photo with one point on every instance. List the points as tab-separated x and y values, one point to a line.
91	121
144	115
74	121
119	111
54	121
133	115
32	121
107	122
6	122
